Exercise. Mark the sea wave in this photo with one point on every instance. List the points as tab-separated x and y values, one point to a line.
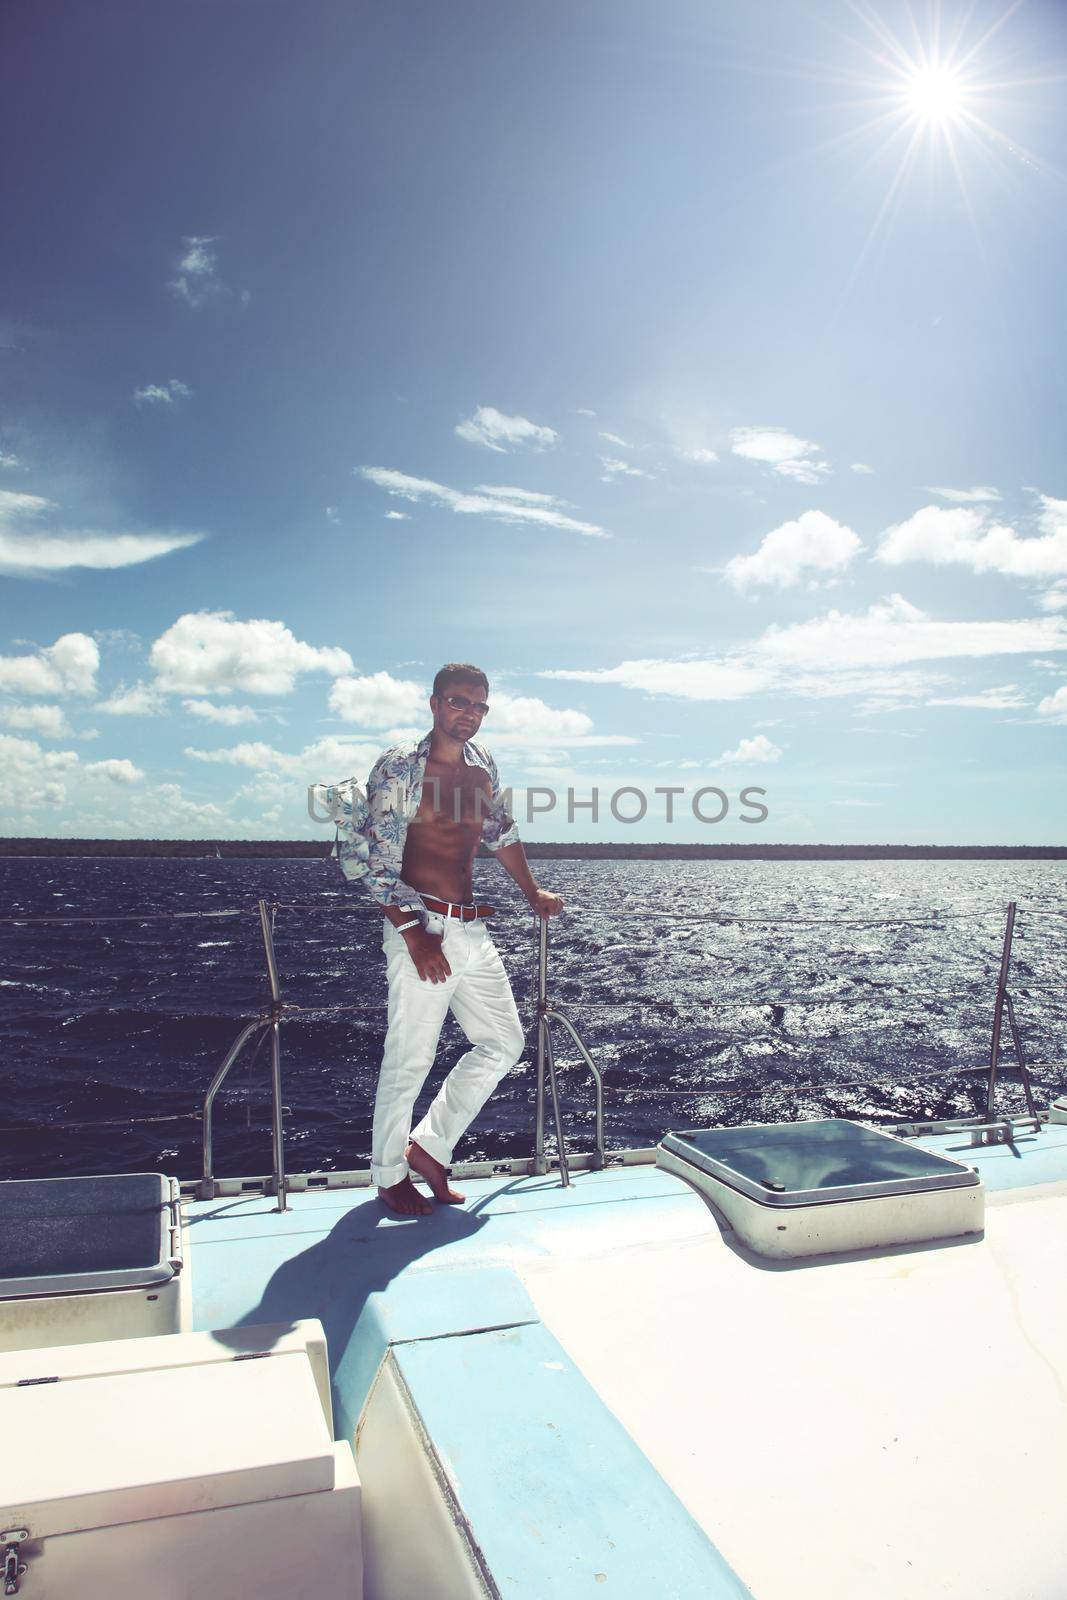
707	992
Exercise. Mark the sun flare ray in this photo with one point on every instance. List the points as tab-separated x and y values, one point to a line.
935	87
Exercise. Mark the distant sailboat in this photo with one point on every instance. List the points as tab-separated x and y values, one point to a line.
218	852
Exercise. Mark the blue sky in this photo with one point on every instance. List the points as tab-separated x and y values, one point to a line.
695	369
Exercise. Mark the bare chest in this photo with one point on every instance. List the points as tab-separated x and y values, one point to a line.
454	794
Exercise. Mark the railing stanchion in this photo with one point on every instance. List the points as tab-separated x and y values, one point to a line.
546	1013
266	922
277	1133
540	1166
998	1012
206	1189
564	1169
599	1158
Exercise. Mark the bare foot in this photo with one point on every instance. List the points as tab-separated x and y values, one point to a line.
405	1199
433	1173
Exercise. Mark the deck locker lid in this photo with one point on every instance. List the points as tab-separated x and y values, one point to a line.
77	1235
99	1451
101	1358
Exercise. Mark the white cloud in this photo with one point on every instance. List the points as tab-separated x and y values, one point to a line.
496	431
802	471
67	667
224	716
812	543
965	497
861	466
32	778
785	453
170	808
1008	697
750	752
531	497
528	720
48	721
140	700
1054	706
325	760
332	515
15	504
893	632
378	700
515	722
10	461
397	516
503	508
162	394
330	759
118	770
33	555
197	282
1054	599
614	468
704	457
613	438
36	553
963	536
724	679
837	654
584	411
209	652
254	755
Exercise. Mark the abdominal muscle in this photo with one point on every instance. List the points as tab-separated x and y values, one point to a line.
439	850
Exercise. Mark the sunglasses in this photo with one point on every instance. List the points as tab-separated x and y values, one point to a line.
459	702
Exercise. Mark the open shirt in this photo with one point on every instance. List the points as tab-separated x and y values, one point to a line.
373	828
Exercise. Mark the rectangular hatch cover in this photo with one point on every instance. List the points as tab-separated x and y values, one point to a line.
815	1163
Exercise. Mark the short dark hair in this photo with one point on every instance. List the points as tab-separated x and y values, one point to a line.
455	671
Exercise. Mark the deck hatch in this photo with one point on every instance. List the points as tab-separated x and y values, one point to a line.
72	1235
816	1163
814	1188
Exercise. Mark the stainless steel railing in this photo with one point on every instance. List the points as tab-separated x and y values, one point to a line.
547	1013
266	1025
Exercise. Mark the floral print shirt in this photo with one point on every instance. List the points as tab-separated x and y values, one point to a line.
372	827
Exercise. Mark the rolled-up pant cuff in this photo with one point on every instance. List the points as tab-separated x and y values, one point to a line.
433	1145
385	1177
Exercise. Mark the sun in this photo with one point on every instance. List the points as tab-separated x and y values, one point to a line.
936	102
936	94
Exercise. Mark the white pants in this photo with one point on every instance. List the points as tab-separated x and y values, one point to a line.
480	997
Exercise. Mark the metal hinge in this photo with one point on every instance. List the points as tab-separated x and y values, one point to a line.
11	1538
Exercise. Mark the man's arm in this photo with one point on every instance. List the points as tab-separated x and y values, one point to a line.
501	836
512	858
386	831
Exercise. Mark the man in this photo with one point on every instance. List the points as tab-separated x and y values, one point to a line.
439	954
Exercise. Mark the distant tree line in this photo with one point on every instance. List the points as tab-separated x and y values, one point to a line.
318	849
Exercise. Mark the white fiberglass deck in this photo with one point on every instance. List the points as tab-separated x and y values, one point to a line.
891	1425
887	1426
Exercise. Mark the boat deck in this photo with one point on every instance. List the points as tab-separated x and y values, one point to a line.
608	1363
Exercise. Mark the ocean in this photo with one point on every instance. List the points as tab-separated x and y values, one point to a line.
708	992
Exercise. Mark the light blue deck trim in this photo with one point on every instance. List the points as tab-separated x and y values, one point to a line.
562	1502
1034	1158
514	1423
